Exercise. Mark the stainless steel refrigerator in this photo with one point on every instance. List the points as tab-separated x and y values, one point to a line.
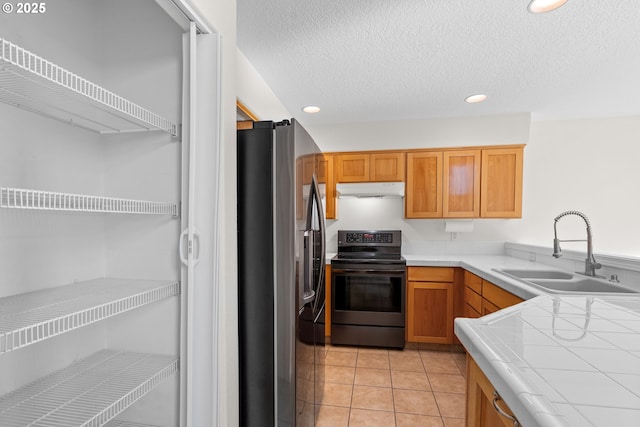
281	275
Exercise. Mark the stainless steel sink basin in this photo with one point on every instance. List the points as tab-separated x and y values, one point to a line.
582	285
535	274
556	281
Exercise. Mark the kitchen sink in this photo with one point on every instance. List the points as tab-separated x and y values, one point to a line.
535	274
583	285
556	281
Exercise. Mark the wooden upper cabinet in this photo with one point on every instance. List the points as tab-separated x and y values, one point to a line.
501	193
326	176
461	184
482	182
322	165
322	168
308	167
353	167
370	167
423	195
386	167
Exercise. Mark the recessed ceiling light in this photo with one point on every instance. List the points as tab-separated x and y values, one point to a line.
311	109
542	6
474	99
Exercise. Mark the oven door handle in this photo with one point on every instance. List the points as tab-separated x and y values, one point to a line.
366	271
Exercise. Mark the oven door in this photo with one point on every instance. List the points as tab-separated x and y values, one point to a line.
371	295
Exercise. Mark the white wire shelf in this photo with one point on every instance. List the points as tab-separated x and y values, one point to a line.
35	84
116	423
88	393
21	198
32	317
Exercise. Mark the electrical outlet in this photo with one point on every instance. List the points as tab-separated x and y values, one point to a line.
454	235
532	256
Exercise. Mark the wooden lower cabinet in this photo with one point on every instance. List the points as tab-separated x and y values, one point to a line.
480	411
482	297
430	303
495	298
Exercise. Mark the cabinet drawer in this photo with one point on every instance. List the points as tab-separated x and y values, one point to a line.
471	312
498	296
430	274
488	307
473	299
473	281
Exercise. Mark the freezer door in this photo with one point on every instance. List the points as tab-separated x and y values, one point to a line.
311	285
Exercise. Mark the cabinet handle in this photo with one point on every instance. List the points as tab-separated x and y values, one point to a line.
499	410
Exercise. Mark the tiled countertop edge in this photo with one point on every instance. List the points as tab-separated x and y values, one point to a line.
530	407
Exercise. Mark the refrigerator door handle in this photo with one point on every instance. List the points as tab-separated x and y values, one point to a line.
308	294
315	194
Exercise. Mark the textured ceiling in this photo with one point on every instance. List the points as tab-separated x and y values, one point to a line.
369	60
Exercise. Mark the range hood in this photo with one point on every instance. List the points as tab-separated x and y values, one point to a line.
371	189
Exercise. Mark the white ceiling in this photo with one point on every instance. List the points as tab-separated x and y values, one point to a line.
370	60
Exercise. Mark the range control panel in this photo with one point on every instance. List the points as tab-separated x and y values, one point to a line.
369	238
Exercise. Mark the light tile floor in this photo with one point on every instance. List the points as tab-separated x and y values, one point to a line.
389	388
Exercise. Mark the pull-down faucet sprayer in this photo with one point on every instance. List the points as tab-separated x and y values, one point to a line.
590	264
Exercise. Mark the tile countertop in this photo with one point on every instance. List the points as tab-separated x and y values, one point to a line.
562	361
556	360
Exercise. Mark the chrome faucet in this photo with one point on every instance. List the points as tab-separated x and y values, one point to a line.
590	264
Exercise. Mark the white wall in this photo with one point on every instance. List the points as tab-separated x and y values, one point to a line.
254	92
586	165
453	132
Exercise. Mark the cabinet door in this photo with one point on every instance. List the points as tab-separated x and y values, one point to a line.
326	175
322	168
501	193
423	197
353	168
461	192
480	411
430	312
308	167
384	167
